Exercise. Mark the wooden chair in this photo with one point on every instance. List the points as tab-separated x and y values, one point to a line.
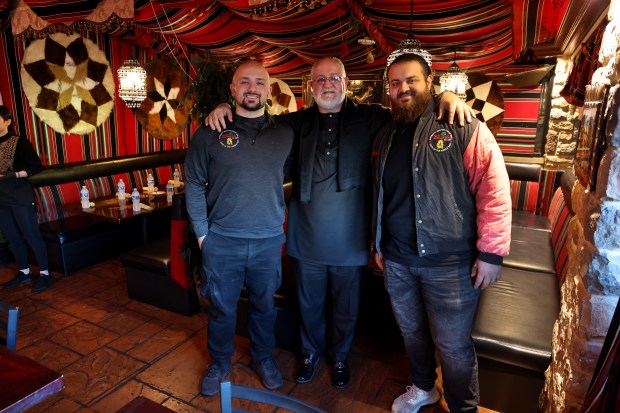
229	391
8	325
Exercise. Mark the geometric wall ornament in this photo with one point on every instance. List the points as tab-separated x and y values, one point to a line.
485	97
164	113
68	82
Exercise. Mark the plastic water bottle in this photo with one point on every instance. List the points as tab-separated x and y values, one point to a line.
85	197
135	199
177	178
120	189
150	182
169	190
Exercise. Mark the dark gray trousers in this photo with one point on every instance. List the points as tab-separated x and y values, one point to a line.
314	282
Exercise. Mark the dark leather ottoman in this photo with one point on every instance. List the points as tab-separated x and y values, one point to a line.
78	241
148	273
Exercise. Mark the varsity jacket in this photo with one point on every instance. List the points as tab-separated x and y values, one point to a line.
460	185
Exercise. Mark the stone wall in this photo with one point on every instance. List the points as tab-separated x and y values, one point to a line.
590	292
561	139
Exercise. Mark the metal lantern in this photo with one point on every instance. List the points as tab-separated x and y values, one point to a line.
132	83
454	80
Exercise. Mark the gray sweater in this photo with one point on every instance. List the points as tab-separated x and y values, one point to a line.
233	179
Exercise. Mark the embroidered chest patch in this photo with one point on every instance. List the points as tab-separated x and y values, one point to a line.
440	140
229	139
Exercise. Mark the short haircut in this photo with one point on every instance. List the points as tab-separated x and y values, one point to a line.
411	57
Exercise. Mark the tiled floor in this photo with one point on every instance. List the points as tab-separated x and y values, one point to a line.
112	349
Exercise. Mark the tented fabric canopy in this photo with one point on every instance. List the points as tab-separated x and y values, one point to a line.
486	34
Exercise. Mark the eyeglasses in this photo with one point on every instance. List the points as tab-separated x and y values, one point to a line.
332	79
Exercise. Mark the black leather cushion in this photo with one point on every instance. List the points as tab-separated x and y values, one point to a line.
74	228
530	250
515	318
524	171
523	219
153	257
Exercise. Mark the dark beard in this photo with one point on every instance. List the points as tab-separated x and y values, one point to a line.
412	110
251	108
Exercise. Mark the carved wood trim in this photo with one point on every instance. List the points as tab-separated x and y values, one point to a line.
581	16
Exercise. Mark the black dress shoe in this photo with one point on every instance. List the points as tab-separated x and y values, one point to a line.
341	374
307	366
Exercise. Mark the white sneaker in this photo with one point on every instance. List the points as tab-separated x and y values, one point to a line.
413	399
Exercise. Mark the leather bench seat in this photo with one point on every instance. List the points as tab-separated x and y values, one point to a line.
148	275
515	318
78	241
530	250
512	333
524	219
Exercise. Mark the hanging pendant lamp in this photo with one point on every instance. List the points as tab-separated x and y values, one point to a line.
132	83
454	80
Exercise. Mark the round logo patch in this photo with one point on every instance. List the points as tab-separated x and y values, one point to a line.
229	139
440	140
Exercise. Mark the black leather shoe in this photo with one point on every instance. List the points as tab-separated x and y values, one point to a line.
341	374
307	366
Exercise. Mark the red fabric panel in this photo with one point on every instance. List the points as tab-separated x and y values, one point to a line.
178	264
559	237
525	110
524	195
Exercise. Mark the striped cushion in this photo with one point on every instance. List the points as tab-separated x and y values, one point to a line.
556	207
559	216
524	195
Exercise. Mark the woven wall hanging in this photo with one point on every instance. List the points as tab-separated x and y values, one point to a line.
68	82
164	113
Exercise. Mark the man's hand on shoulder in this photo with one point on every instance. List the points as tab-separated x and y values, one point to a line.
451	104
216	120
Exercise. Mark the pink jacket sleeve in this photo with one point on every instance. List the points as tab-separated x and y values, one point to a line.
488	181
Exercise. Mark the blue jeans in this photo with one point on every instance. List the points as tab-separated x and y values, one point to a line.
227	264
435	308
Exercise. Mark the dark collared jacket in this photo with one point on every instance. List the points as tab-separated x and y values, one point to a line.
358	127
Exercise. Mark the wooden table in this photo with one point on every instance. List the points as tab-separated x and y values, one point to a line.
110	208
24	382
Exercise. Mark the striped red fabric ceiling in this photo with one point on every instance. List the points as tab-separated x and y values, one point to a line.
486	34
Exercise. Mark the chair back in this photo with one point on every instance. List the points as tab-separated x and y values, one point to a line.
8	325
229	391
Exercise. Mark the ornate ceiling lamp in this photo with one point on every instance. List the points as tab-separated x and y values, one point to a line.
132	83
410	45
454	80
